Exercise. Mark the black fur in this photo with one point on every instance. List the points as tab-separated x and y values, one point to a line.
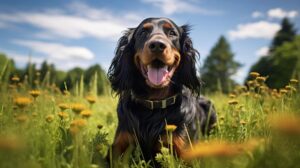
190	110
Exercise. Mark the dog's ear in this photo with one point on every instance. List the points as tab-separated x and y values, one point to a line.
187	71
120	72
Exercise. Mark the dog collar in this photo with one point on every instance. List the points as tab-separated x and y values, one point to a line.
156	104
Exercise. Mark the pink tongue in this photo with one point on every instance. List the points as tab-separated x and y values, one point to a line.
157	75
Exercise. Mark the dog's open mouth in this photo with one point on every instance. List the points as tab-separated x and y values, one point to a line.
157	73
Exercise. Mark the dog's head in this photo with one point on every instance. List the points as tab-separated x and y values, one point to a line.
157	53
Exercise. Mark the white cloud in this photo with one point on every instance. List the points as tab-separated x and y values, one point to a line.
57	51
257	14
78	21
261	29
240	75
263	51
280	13
170	7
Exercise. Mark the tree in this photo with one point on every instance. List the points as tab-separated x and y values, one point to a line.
89	77
278	65
218	67
287	33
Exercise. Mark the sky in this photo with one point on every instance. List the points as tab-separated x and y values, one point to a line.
81	33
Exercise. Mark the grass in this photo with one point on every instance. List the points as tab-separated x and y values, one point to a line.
257	127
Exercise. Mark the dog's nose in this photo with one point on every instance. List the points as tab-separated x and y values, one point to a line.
157	46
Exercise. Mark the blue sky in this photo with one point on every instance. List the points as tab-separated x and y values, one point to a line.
80	33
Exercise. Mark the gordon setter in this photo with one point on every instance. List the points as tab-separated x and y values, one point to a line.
154	74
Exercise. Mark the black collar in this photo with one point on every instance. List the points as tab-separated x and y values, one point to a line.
155	104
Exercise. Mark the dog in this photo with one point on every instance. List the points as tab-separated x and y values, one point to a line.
154	75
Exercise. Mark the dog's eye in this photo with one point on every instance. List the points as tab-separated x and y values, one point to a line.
172	33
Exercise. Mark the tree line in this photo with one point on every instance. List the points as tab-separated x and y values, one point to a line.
280	65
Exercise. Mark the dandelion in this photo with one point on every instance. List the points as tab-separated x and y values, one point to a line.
77	108
62	115
261	79
49	118
22	102
63	106
91	99
254	74
170	128
34	114
15	79
35	93
86	113
233	102
251	83
294	81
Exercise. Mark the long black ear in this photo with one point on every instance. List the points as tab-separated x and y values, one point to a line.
120	72
187	71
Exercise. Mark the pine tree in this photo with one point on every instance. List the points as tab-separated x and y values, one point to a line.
218	67
278	66
285	34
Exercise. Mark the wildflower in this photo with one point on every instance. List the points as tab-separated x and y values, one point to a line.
288	87
294	81
22	118
254	74
62	115
77	108
63	106
10	143
35	93
15	79
49	118
22	102
283	91
78	123
34	114
170	128
219	149
233	102
243	122
289	125
250	83
232	96
86	113
261	79
99	126
91	99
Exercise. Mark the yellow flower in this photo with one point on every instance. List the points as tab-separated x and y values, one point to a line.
35	93
91	99
77	107
232	96
261	79
86	113
243	122
22	118
171	128
254	74
233	102
288	124
49	118
283	91
15	79
63	115
63	106
78	123
294	81
218	149
22	102
10	143
251	83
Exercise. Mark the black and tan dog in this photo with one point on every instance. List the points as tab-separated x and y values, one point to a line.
154	73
